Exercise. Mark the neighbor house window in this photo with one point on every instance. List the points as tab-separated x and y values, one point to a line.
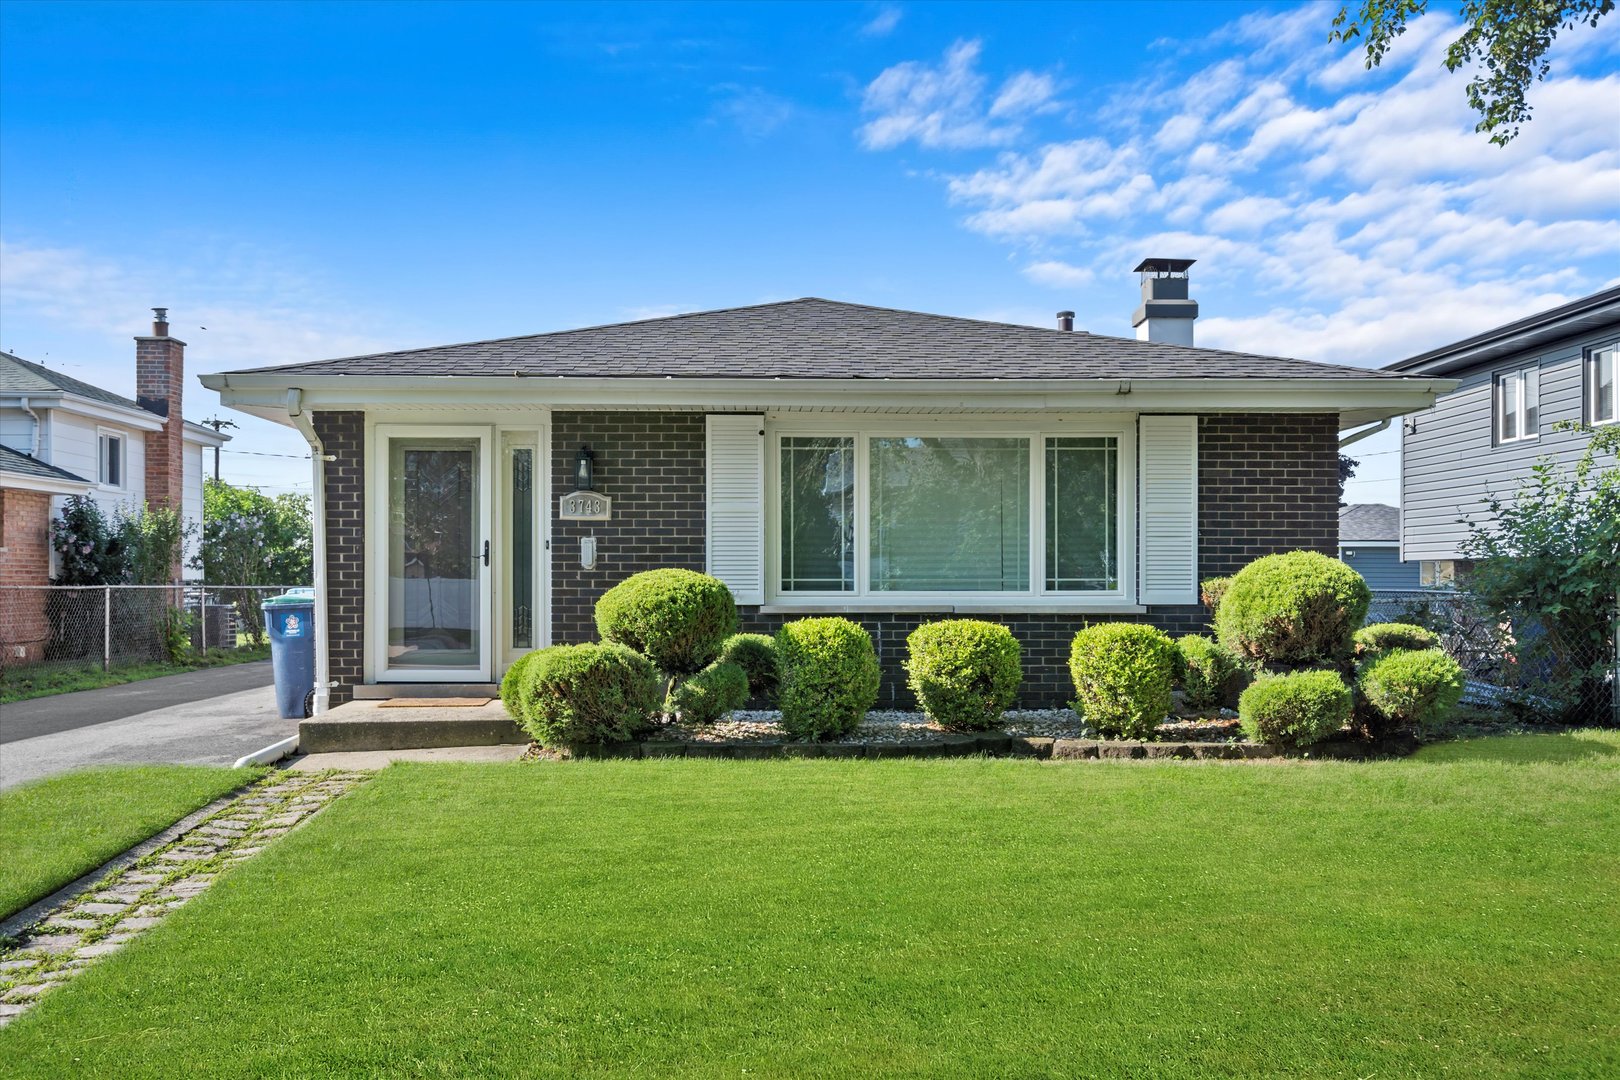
892	513
1601	393
112	460
1437	573
1518	395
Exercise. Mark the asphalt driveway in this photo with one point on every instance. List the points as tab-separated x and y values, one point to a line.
209	717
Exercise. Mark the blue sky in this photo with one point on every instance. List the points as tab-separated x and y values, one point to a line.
318	180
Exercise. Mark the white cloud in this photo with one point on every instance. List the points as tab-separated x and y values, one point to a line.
945	106
753	111
1335	213
883	23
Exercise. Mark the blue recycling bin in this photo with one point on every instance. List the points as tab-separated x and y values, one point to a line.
290	621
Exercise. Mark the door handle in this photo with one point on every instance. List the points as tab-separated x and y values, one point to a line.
486	552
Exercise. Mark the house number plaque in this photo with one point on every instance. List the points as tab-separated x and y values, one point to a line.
584	506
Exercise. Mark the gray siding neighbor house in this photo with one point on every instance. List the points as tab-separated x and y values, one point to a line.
1514	383
1370	542
475	500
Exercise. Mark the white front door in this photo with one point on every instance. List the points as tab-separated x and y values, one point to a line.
431	559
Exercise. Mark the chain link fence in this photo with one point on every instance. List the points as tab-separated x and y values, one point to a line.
1528	665
44	627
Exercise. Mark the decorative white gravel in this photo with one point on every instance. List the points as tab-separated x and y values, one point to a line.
898	725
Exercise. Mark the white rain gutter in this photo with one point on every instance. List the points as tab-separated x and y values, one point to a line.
35	439
318	459
1357	436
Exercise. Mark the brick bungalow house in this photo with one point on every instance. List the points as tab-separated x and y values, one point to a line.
61	436
474	500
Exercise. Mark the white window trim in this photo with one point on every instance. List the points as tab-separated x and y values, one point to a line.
103	433
1590	385
1522	409
1036	598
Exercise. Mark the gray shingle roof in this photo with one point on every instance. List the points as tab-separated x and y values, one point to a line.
14	461
824	339
1367	523
19	376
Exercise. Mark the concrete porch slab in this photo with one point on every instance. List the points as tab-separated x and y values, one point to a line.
368	725
379	759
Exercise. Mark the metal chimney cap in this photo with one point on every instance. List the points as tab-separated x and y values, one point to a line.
160	314
1163	266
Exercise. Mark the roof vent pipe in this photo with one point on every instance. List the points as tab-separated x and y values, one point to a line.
160	322
1065	320
1167	313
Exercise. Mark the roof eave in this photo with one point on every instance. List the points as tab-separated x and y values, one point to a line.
1589	314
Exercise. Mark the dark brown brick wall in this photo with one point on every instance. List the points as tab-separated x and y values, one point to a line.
25	559
344	435
651	465
1266	483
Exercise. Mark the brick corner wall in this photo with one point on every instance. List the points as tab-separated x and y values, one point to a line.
25	535
344	436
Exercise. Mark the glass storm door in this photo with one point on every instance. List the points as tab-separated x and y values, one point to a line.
437	560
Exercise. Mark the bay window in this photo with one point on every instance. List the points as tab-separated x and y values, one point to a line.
890	510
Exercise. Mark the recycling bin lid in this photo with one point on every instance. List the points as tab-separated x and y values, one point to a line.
302	595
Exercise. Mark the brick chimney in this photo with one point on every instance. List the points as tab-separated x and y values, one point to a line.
159	381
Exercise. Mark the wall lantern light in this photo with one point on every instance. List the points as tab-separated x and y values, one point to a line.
584	470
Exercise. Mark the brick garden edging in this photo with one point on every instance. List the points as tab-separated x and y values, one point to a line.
993	744
135	897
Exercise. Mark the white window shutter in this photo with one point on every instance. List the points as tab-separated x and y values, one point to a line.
1169	483
736	504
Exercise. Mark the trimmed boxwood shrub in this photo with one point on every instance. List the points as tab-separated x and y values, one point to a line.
965	672
1416	688
1381	637
1204	668
1122	674
710	694
1295	709
678	619
512	685
829	676
1210	591
1297	608
756	655
579	694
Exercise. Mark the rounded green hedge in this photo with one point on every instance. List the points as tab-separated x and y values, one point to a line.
965	672
756	655
1297	608
710	694
1382	637
1122	676
1295	709
1210	591
1205	669
1416	688
829	676
678	619
580	694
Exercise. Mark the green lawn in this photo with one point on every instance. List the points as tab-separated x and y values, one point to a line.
53	830
25	683
1452	913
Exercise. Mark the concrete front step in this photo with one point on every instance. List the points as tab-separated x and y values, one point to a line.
387	691
367	725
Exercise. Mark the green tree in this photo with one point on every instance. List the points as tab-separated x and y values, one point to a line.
1547	568
250	538
1510	38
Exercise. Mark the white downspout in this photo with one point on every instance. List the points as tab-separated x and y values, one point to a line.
35	438
318	459
1357	436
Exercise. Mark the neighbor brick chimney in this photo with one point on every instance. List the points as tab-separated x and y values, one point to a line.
159	381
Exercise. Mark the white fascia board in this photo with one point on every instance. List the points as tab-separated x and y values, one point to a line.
204	436
139	419
264	394
50	484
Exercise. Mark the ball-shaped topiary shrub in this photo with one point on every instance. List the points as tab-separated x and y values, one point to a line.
829	677
1205	669
710	694
755	654
678	619
1412	688
1382	637
1297	608
1295	709
581	694
1122	675
512	684
965	672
